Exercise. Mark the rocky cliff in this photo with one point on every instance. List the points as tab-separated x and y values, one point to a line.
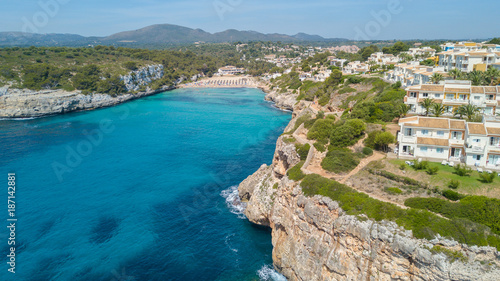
23	103
314	239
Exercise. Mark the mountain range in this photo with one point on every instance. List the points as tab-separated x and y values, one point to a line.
154	35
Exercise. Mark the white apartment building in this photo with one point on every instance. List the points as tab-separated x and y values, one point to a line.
456	141
425	51
467	61
356	67
383	59
230	70
453	94
412	73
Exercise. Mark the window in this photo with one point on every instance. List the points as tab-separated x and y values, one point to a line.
425	132
413	95
491	97
439	150
437	96
456	135
476	140
477	97
494	141
423	148
462	97
476	157
408	132
440	133
450	96
425	95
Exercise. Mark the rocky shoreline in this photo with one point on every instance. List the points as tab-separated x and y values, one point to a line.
314	239
16	103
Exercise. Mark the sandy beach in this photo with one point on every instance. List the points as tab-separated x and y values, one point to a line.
224	82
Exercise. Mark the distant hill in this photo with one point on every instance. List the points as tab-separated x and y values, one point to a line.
160	34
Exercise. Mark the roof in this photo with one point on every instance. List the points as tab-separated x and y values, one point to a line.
431	122
476	128
493	131
457	124
433	141
432	88
408	119
458	90
477	90
490	89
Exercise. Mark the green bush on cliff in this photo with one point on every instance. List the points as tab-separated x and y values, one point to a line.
295	173
303	150
340	161
423	223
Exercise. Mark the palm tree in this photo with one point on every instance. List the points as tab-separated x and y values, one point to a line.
492	74
403	110
468	110
459	111
438	109
436	78
455	73
476	77
426	103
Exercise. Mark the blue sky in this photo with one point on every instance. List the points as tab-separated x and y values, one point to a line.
409	19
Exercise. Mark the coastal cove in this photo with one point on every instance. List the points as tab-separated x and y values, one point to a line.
144	189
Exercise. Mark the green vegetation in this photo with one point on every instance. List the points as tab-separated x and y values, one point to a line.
345	90
452	255
479	209
487	178
343	133
432	170
367	151
379	140
462	170
452	195
295	173
84	68
396	49
396	178
423	223
393	190
275	186
302	150
454	184
340	160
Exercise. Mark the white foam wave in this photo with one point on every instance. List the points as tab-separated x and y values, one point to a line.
267	273
233	201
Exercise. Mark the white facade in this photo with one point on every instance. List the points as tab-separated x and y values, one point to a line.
453	94
438	139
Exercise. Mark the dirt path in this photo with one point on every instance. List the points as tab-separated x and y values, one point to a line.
375	157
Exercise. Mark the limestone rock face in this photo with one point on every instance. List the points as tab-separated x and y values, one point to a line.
283	101
314	239
142	77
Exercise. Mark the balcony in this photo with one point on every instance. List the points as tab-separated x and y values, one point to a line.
457	142
407	139
411	100
455	101
474	149
491	102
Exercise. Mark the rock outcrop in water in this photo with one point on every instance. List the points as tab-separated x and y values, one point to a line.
23	103
314	239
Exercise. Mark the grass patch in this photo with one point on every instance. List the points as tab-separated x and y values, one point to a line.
396	178
346	89
289	139
423	223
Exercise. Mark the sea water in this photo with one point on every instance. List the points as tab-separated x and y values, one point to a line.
145	190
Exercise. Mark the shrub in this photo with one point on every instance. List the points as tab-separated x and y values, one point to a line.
275	186
303	150
321	129
340	160
346	90
487	178
130	65
289	139
454	184
452	195
462	170
393	177
420	165
432	170
452	255
393	190
367	151
295	173
402	167
320	145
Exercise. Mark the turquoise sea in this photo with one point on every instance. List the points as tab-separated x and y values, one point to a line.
141	191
